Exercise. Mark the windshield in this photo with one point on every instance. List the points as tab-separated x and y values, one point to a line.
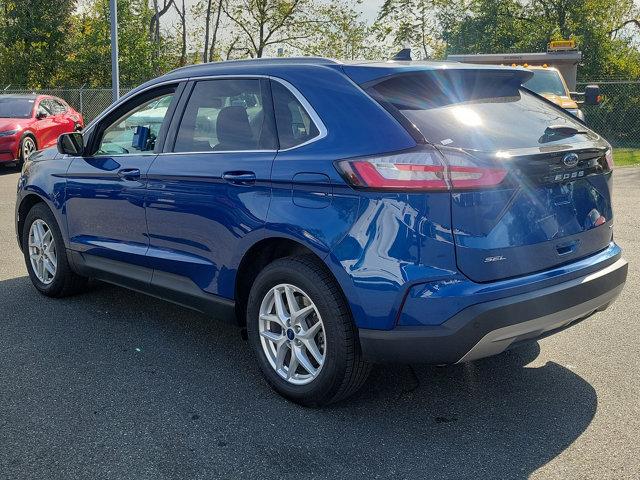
16	107
546	82
486	112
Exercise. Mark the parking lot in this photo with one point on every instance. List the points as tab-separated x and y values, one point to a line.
114	384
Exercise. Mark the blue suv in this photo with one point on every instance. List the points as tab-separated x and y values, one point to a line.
345	214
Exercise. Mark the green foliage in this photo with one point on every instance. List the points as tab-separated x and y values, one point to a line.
60	43
410	23
617	118
506	26
46	43
487	26
339	33
626	157
260	24
33	36
89	47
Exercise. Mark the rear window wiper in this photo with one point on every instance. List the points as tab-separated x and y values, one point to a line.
564	130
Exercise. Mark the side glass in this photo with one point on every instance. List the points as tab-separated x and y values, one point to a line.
44	109
58	107
226	115
137	130
295	126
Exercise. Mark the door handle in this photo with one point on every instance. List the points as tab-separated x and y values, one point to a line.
239	178
129	173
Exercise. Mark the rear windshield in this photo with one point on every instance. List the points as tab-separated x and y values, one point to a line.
16	107
546	82
487	111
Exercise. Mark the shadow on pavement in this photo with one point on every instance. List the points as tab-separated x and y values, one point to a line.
114	384
7	169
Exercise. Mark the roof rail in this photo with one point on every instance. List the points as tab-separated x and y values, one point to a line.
267	61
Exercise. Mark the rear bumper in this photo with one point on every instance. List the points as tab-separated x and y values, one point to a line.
489	328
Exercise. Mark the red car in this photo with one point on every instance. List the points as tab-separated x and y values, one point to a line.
33	122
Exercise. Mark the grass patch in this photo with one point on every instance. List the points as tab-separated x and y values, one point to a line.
626	156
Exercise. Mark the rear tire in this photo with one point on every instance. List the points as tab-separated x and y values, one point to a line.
336	358
46	256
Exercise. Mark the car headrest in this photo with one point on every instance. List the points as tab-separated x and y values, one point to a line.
233	128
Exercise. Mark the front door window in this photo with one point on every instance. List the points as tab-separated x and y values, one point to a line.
137	130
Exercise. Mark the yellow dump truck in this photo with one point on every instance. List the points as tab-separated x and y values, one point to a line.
548	82
554	73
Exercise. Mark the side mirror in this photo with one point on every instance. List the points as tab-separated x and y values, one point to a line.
41	115
592	95
71	144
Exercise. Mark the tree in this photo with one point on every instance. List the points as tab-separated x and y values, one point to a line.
488	26
158	13
263	23
33	38
341	33
89	48
154	25
409	23
209	51
182	15
600	28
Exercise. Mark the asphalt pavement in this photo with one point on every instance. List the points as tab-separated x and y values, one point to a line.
116	385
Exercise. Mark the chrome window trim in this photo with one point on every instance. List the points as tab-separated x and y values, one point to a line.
322	129
202	152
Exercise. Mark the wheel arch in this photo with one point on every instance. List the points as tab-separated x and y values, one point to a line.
26	204
258	256
29	133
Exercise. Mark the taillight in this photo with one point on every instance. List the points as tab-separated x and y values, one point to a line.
422	168
609	157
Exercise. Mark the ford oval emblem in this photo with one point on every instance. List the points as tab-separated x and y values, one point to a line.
570	159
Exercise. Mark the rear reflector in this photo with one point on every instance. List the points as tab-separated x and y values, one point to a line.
422	168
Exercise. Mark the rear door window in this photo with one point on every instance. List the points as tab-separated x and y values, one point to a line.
227	116
487	111
295	125
58	107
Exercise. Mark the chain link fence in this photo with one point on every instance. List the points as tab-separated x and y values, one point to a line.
90	102
617	118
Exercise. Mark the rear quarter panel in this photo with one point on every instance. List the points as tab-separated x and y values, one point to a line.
372	242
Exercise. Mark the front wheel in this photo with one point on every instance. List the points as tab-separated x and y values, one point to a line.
27	147
301	331
46	256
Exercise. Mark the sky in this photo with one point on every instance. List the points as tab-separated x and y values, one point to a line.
369	10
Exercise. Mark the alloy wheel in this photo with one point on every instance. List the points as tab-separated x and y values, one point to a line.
28	147
42	252
292	334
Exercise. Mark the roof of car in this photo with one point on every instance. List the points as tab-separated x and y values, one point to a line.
359	71
216	67
21	96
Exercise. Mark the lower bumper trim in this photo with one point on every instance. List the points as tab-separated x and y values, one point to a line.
490	328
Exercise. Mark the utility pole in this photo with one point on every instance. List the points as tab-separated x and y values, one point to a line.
115	70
